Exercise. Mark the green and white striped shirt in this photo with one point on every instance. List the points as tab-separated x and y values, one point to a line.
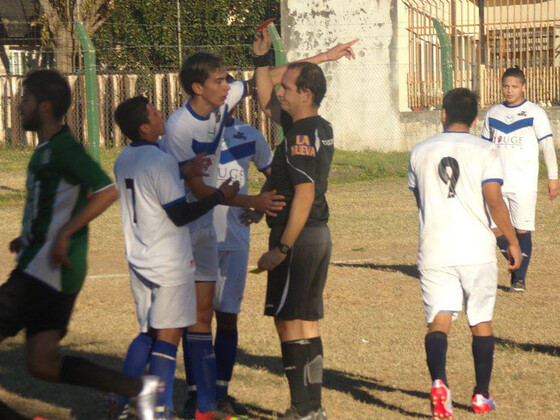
59	176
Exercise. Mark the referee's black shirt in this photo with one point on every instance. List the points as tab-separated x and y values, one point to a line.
304	155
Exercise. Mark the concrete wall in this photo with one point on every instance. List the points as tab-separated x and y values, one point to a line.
362	99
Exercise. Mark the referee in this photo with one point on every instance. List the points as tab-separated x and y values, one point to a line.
299	242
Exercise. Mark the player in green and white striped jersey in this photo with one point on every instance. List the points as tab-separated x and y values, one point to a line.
66	189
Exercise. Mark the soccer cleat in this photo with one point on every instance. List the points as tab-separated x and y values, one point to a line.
117	409
442	407
320	414
231	405
215	415
481	404
517	286
146	400
164	413
292	414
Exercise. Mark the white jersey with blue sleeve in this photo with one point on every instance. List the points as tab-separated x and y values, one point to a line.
148	181
189	134
447	172
517	131
242	145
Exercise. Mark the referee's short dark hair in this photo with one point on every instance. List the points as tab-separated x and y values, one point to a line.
514	72
131	114
461	106
311	77
197	68
51	86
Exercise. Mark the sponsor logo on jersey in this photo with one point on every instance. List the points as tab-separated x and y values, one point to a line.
302	147
234	173
508	140
522	114
327	142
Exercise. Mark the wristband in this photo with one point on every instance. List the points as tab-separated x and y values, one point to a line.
283	248
261	60
221	196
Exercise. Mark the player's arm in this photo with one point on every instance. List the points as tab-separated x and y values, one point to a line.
299	212
549	155
492	193
254	216
98	202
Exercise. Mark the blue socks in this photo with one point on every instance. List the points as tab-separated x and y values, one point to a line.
526	245
203	364
226	352
191	386
503	244
435	344
138	355
162	364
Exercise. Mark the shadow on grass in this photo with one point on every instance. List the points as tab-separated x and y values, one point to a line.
503	288
409	269
547	349
349	383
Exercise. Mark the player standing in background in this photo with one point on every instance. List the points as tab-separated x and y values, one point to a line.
40	293
242	145
154	214
454	176
299	241
518	126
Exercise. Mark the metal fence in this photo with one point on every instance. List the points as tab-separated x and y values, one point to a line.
487	36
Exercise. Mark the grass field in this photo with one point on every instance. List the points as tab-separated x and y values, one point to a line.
373	331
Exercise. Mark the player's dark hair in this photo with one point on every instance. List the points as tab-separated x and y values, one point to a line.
51	86
197	68
514	72
461	106
130	115
311	77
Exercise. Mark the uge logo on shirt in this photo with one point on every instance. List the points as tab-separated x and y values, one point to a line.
302	147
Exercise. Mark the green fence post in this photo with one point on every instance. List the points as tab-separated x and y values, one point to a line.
92	111
279	60
446	57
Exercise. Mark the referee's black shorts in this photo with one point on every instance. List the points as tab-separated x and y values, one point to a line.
295	287
26	302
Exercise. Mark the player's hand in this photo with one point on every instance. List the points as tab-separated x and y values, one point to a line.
342	50
16	245
269	203
196	167
514	257
250	216
270	260
59	253
262	42
552	189
230	189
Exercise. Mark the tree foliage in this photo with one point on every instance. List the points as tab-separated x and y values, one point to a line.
144	34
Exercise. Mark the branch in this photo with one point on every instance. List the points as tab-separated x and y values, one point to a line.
53	19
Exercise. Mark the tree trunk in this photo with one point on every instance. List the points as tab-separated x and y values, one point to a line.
65	49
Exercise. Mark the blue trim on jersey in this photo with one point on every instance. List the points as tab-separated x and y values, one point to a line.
182	163
244	88
210	148
486	138
265	168
174	202
510	128
513	106
413	188
542	138
139	143
498	180
238	152
194	114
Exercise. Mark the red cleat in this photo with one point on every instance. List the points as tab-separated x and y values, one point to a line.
481	404
442	408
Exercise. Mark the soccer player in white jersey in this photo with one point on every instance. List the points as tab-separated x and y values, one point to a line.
518	127
242	145
454	176
66	189
155	213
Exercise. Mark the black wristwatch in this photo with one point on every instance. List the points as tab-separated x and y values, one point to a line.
284	249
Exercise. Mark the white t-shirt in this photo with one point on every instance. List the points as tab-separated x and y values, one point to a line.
188	134
242	144
447	172
148	181
517	132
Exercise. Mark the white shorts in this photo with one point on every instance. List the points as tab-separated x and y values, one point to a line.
205	253
231	281
445	288
521	209
163	307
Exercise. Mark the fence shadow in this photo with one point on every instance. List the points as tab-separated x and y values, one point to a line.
408	269
349	383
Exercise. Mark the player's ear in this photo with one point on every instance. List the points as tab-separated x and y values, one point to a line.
443	117
143	130
197	88
307	96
